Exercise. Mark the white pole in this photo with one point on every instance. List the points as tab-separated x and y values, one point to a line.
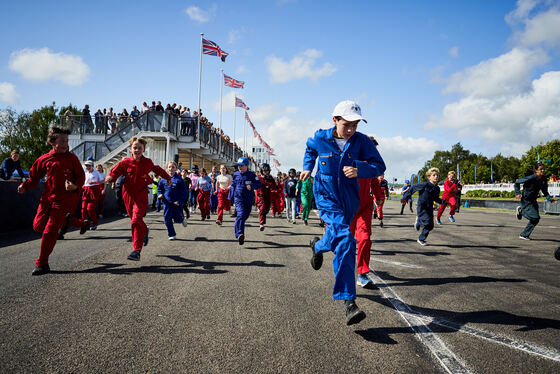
199	86
234	120
221	92
245	135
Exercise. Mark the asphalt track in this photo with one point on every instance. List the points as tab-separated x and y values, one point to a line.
476	299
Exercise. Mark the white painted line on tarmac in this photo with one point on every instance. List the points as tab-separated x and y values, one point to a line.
447	359
421	319
398	263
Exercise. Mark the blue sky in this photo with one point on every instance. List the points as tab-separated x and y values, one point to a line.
427	74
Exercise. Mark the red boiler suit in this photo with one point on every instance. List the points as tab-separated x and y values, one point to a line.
449	190
135	192
361	224
264	196
55	202
380	191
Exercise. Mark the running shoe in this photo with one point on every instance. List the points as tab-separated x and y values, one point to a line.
134	256
85	227
438	221
219	223
185	223
422	243
93	228
364	281
261	227
305	222
208	217
64	228
524	237
518	213
172	237
451	218
294	221
416	224
241	239
40	270
353	313
380	223
316	258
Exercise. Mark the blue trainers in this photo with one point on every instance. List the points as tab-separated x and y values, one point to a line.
451	219
438	221
364	281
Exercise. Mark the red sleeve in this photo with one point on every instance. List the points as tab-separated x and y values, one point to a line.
159	171
117	170
35	174
449	186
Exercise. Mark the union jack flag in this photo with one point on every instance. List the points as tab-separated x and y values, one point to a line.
240	103
230	82
212	49
276	162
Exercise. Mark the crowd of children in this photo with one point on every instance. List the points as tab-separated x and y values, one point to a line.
348	190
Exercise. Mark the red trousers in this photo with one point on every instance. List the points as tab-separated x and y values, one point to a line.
361	229
203	200
89	204
379	201
50	218
136	209
452	203
223	203
264	207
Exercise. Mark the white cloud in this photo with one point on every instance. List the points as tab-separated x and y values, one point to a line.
241	69
8	93
236	34
543	28
302	66
200	15
404	156
42	64
454	51
228	102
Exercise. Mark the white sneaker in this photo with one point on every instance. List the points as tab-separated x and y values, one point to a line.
421	242
172	237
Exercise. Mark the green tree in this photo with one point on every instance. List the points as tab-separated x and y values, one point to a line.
506	169
549	154
448	160
26	132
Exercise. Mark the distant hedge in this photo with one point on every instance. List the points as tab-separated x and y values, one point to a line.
491	193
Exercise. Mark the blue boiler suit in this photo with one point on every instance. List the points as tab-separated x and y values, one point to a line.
427	194
176	192
243	198
337	198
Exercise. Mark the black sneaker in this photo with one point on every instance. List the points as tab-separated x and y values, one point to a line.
241	239
518	213
305	222
353	313
134	256
316	258
380	223
261	228
146	239
40	270
85	227
207	217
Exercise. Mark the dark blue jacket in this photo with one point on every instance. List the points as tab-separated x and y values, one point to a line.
176	192
290	186
427	194
8	167
332	189
240	181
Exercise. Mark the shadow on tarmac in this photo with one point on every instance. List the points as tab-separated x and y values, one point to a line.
446	321
394	253
398	281
188	266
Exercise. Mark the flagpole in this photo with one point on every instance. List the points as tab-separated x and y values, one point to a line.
199	86
221	95
234	120
245	134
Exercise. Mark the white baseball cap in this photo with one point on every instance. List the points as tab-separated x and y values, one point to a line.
88	162
348	110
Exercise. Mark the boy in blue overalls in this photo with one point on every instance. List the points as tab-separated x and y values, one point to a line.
344	155
428	192
243	187
173	197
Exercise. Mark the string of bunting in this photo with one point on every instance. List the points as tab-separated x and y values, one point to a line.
256	134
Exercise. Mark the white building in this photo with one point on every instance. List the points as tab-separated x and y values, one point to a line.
260	155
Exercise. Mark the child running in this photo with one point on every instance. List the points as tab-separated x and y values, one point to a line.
264	194
223	184
90	195
406	196
380	192
532	185
339	151
428	193
290	191
450	188
173	197
242	190
64	177
136	168
204	188
305	188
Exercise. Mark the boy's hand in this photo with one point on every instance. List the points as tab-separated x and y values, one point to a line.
176	203
249	187
108	179
169	182
20	189
305	174
518	197
70	186
350	172
160	197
